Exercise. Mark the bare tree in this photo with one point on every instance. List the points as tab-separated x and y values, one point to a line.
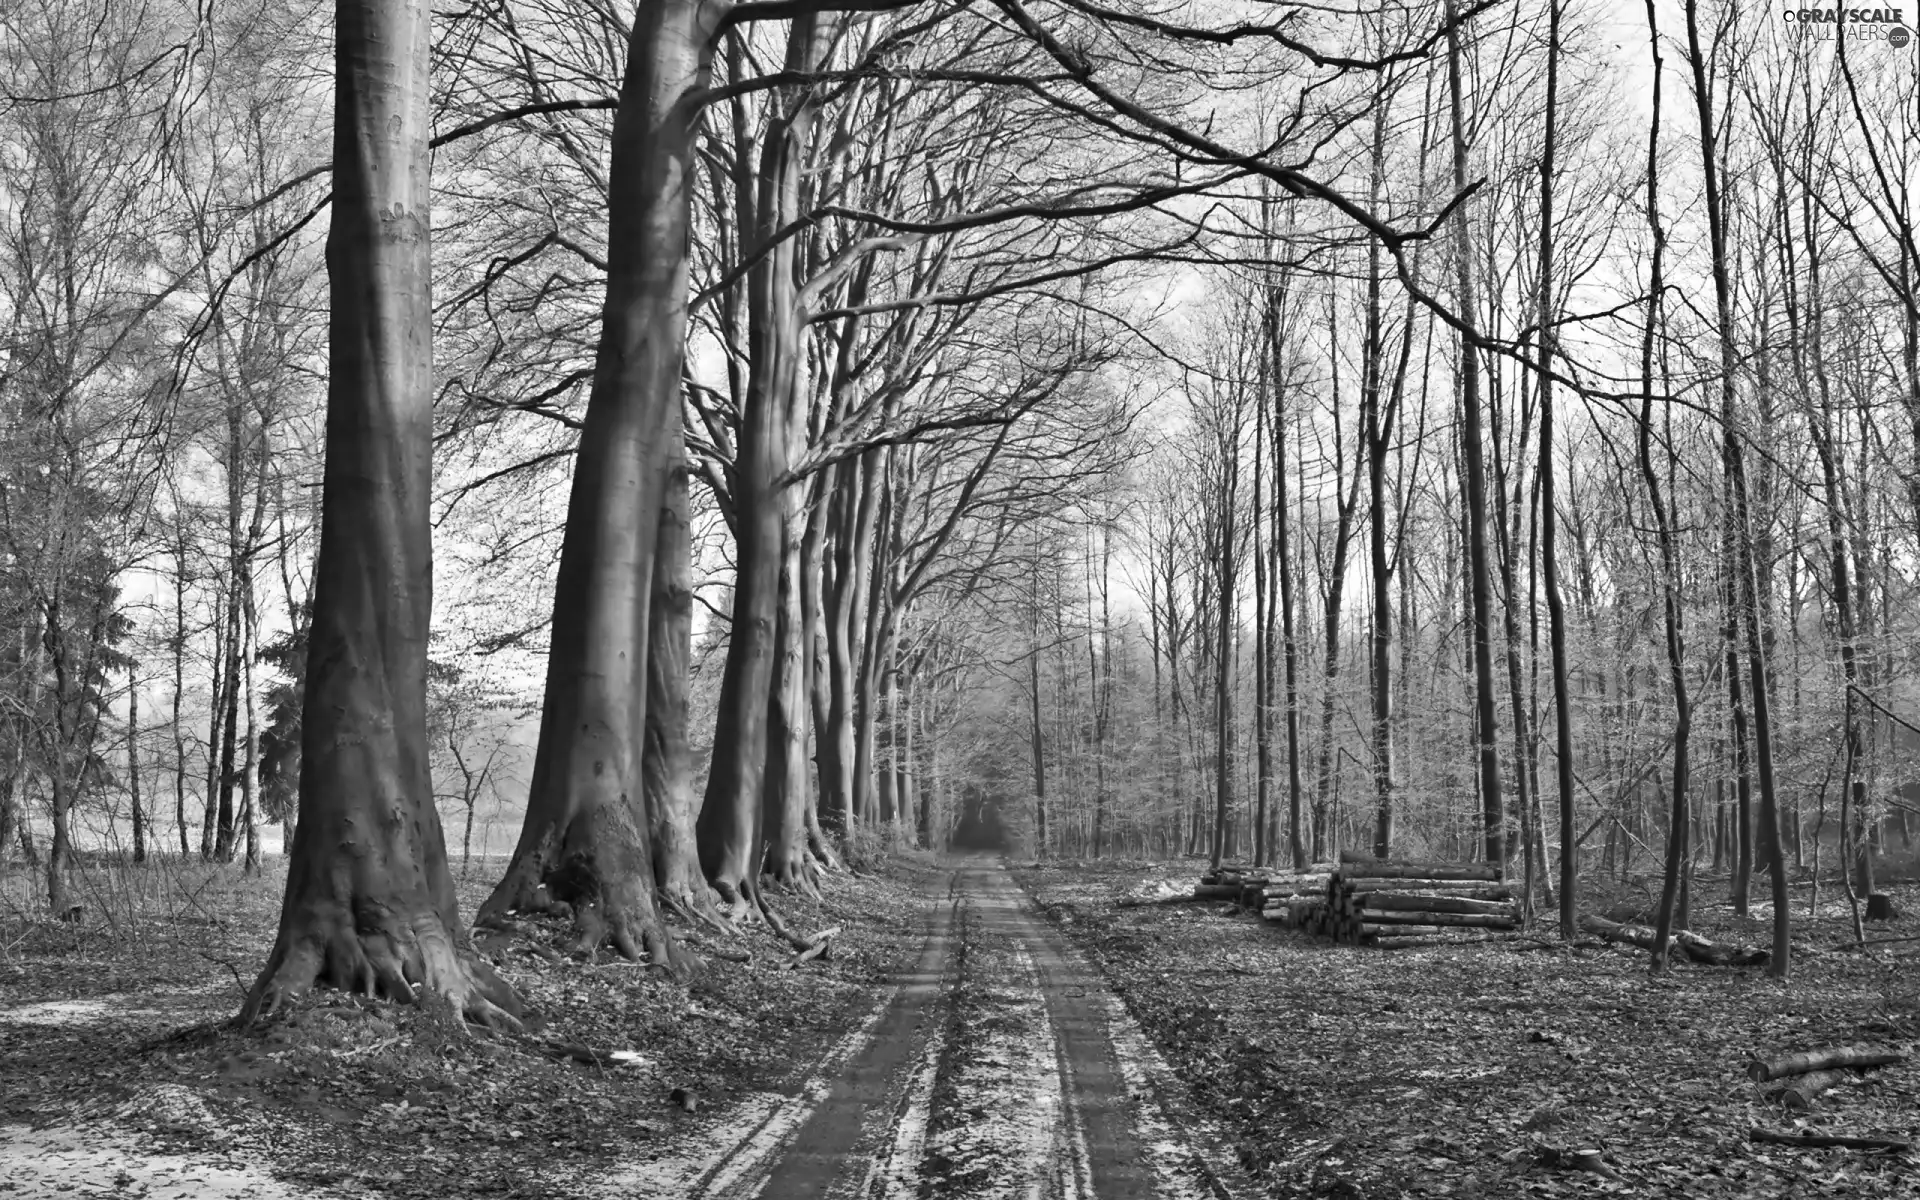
370	904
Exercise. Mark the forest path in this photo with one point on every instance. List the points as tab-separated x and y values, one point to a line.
1001	1066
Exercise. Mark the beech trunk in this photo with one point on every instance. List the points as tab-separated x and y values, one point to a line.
369	903
586	840
732	827
666	762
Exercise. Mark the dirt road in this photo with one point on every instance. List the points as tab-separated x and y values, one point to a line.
1000	1066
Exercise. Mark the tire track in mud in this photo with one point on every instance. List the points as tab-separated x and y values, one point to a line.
1000	1068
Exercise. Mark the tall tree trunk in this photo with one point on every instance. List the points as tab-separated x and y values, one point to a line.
1734	456
1742	880
1326	834
229	725
1853	789
1226	585
831	798
133	768
1569	883
1262	628
250	758
731	818
1039	744
666	760
586	840
217	707
784	793
903	788
60	844
1100	668
841	600
1283	566
370	904
225	832
860	615
1479	590
179	649
1377	430
1679	846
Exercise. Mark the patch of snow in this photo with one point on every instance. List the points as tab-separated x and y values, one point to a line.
58	1014
734	1154
173	1108
93	1161
901	1166
1183	1169
1010	1142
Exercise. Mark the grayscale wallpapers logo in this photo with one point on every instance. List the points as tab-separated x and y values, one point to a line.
1862	24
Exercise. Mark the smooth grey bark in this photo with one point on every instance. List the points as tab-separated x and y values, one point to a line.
731	825
586	842
370	904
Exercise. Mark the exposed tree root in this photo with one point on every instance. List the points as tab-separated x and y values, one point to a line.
815	946
413	959
737	904
798	875
699	909
820	846
611	909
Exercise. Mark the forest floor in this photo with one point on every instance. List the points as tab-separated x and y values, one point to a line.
1472	1070
121	1073
965	1040
954	1047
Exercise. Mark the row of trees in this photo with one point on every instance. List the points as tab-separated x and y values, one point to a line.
1477	608
865	345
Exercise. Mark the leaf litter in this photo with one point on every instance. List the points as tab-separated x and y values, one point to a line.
1491	1070
127	1077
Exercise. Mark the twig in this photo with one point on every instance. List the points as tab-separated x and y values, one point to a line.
811	952
1825	1140
357	1051
231	969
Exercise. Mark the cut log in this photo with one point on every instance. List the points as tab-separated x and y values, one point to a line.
1299	883
1360	858
1413	902
1692	945
1374	929
1216	891
1232	875
1392	870
1880	907
1469	920
1309	871
1798	1092
1859	1054
1468	889
1442	938
1150	901
1824	1140
1701	950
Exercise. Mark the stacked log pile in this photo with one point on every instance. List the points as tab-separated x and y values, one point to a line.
1242	885
1253	887
1369	902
